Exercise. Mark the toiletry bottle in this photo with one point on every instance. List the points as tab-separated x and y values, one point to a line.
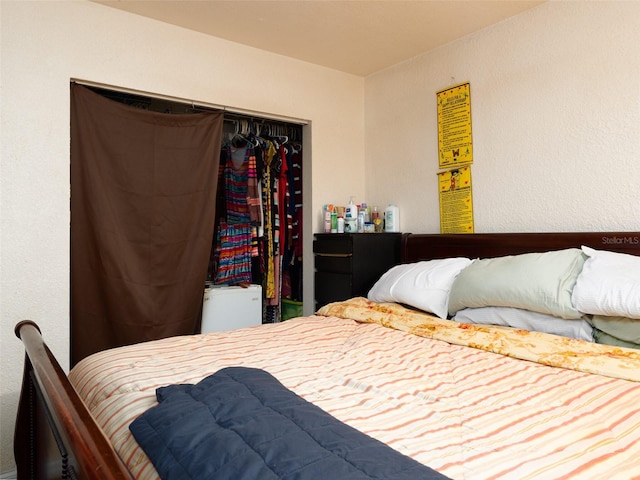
351	217
327	218
392	218
376	219
365	209
361	221
352	210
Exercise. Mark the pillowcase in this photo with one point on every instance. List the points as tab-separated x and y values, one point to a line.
606	339
526	320
423	285
539	282
623	328
609	284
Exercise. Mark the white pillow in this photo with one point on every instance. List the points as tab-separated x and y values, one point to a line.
609	284
423	285
526	320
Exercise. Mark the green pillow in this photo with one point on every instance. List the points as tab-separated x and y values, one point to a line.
606	339
623	328
540	282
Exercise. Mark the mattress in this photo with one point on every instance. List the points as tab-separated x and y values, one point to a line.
467	412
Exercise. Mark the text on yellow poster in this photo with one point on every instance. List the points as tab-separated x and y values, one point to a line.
456	201
455	144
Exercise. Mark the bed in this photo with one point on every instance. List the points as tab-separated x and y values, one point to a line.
469	400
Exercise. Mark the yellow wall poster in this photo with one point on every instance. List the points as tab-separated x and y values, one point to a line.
456	201
455	145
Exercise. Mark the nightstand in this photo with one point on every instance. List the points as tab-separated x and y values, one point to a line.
348	264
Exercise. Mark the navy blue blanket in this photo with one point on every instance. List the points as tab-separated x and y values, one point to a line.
241	423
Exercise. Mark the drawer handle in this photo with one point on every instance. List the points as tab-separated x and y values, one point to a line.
333	254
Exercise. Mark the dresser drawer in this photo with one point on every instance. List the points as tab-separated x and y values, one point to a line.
336	263
334	243
332	287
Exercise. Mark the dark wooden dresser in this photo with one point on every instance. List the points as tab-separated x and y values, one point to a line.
347	265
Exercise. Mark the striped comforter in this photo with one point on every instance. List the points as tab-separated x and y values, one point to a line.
466	412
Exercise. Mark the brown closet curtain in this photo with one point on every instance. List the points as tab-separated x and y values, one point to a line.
143	190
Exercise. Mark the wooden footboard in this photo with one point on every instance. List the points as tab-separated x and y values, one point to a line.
56	436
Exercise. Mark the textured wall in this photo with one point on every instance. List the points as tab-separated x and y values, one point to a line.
555	100
44	45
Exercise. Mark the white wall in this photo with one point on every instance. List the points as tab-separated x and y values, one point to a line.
555	100
44	44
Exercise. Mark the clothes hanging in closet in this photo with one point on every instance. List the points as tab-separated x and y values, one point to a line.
235	231
259	229
292	283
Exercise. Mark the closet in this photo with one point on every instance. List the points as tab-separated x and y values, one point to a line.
257	237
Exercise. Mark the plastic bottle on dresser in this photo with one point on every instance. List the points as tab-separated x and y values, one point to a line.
377	220
351	217
392	218
365	209
327	217
352	209
361	221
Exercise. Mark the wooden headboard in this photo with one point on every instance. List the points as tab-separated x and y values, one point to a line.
416	247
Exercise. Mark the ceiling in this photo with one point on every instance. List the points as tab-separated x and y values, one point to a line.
354	36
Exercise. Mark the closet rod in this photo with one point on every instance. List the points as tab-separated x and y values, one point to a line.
239	111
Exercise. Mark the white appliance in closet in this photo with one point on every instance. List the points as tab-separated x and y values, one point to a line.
227	307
